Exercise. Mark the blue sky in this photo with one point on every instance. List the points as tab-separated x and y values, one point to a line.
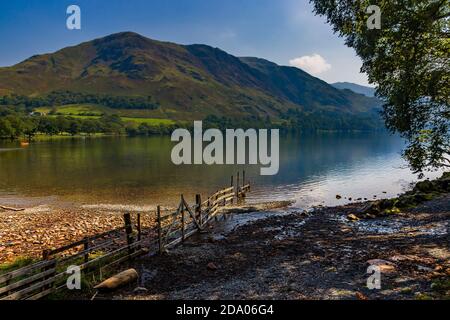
283	31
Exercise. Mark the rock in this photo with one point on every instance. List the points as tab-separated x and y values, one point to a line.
331	269
361	296
425	269
352	217
386	204
406	290
424	186
211	266
422	197
405	202
139	290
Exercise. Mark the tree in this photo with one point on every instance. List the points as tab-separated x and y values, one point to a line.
29	128
409	61
74	127
6	129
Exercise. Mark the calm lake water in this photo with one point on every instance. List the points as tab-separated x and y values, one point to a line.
138	171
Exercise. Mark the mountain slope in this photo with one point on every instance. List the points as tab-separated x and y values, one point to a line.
187	82
367	91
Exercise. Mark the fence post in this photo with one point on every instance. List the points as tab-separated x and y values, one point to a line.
232	186
139	227
198	209
243	177
86	247
183	223
129	231
158	213
46	256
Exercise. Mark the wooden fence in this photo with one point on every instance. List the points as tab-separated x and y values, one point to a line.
96	253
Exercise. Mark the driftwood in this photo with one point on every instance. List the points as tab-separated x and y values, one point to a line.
118	280
12	209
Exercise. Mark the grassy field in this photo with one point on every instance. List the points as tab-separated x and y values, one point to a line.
92	111
76	110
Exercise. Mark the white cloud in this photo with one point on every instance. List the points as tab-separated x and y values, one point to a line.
314	64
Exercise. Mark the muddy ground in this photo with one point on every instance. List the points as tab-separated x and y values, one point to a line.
283	254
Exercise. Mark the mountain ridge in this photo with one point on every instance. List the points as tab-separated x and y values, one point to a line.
357	88
186	81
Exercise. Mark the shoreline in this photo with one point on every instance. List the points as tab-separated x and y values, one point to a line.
307	256
34	224
412	243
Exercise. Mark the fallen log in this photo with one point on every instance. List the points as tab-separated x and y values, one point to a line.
12	209
119	280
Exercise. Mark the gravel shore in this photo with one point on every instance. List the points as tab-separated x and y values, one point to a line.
27	233
319	255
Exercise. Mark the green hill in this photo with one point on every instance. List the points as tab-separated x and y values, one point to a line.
367	91
178	82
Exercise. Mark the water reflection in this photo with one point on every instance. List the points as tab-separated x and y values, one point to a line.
313	169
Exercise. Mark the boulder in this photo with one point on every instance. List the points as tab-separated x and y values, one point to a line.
211	266
425	187
352	217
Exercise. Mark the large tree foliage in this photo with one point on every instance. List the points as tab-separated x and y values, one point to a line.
409	61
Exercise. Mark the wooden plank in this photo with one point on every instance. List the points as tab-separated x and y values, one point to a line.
26	281
42	294
23	293
105	234
24	270
125	258
192	214
170	215
226	196
65	248
110	254
81	253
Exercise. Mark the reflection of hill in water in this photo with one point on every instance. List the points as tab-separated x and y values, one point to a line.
139	170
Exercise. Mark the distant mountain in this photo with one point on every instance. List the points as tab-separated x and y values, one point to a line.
367	91
186	82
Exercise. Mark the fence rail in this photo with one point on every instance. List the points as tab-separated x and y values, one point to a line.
101	251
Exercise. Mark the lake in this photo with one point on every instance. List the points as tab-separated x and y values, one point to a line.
138	171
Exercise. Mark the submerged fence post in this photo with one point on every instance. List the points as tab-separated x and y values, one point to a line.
158	214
